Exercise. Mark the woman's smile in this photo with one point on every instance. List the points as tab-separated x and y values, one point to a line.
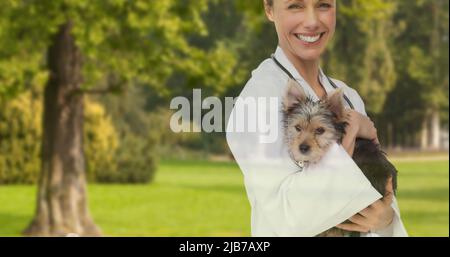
309	39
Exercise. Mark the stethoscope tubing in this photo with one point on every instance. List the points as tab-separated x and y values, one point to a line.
292	77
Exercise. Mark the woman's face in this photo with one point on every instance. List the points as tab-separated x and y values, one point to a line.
304	27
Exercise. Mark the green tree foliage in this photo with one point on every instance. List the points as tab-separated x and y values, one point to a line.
361	54
421	46
121	40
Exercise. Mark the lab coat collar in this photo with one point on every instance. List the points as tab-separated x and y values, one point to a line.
325	82
282	58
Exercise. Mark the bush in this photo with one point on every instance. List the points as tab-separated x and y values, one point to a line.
108	159
135	162
20	135
100	140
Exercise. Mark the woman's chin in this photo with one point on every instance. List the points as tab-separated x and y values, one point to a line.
309	55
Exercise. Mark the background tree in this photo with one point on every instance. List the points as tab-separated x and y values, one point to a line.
88	47
418	106
360	54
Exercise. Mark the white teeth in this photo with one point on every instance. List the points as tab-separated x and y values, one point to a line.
308	39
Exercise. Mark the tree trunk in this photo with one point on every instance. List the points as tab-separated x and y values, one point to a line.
62	196
424	134
435	130
435	53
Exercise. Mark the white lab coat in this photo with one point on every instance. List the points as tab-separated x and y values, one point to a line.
285	201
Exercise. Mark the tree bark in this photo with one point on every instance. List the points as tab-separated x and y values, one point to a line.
62	196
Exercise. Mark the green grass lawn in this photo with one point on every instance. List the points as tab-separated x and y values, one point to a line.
208	199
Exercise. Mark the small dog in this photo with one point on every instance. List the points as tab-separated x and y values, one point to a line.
311	127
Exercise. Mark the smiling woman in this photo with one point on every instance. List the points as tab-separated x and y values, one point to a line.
304	28
285	201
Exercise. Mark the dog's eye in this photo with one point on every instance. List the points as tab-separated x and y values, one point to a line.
320	131
298	128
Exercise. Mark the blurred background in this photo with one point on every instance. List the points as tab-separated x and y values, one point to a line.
106	71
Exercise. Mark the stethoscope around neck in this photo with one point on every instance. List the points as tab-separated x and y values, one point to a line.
292	77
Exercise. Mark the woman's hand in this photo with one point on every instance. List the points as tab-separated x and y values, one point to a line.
358	126
362	125
377	216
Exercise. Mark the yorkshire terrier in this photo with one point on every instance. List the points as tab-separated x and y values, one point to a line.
311	127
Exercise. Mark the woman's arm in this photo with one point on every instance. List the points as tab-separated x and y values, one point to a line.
377	216
360	126
395	228
380	214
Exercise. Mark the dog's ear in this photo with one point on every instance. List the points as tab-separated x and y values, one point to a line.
335	103
294	95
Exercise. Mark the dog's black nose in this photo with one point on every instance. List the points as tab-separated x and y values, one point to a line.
304	148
